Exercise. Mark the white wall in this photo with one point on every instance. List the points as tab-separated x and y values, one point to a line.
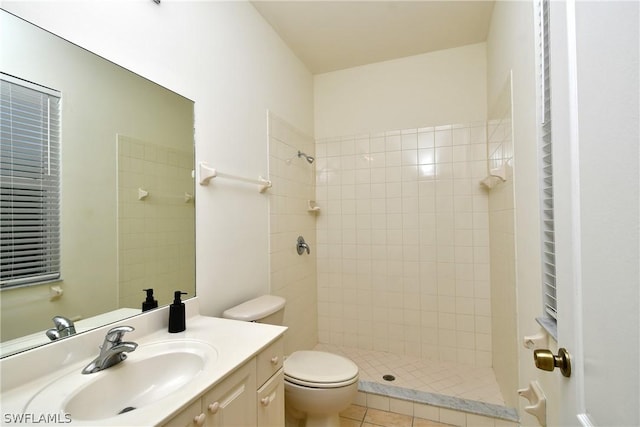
445	87
227	59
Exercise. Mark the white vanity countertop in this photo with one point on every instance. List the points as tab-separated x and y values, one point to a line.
235	342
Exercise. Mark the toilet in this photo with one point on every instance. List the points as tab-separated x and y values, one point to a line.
317	385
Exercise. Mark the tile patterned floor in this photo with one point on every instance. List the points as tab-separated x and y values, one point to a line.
359	416
449	378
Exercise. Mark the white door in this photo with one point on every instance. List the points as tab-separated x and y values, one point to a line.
595	92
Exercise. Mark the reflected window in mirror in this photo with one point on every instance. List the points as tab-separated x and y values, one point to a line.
29	183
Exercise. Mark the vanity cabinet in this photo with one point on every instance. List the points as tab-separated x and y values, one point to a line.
271	402
232	402
270	380
252	395
189	417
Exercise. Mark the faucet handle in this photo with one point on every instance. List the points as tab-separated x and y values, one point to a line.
302	246
115	334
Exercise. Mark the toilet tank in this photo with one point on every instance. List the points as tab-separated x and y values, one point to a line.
265	309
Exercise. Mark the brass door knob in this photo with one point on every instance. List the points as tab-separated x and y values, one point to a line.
547	361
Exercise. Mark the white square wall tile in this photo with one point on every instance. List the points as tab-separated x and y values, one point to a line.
455	418
466	356
409	141
377	144
483	359
393	142
483	324
362	145
461	136
378	402
482	306
465	327
333	148
480	421
461	153
443	137
426	412
443	154
483	342
478	152
360	399
425	138
426	156
409	173
398	406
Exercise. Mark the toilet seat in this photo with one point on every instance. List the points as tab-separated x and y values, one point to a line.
319	369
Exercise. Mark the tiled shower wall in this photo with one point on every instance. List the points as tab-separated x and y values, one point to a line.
156	235
403	243
293	276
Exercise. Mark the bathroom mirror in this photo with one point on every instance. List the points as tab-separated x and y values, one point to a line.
127	208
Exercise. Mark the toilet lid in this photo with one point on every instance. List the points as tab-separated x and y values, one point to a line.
319	369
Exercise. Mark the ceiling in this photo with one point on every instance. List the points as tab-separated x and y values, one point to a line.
333	35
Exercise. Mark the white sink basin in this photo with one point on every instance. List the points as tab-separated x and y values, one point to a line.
152	372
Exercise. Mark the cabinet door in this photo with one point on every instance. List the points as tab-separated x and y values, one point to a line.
192	416
269	361
271	402
233	401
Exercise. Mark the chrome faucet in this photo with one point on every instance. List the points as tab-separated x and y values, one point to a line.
112	351
63	328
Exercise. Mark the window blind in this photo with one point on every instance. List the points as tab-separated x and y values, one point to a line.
29	183
548	235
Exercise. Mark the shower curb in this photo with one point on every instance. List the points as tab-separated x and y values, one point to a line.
442	401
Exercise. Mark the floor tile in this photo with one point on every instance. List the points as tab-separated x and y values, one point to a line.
387	419
354	412
346	422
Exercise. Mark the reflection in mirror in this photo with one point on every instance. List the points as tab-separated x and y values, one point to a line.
127	212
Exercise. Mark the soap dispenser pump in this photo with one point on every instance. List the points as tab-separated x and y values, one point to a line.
150	302
177	322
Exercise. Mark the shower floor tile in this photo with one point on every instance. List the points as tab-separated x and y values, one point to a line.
448	378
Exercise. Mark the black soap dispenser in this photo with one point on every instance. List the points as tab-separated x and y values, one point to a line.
150	302
177	322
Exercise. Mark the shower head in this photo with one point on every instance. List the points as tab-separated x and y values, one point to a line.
309	159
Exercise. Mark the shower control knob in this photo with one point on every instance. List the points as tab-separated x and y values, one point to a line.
547	361
302	246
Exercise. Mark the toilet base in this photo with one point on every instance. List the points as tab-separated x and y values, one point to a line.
317	407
